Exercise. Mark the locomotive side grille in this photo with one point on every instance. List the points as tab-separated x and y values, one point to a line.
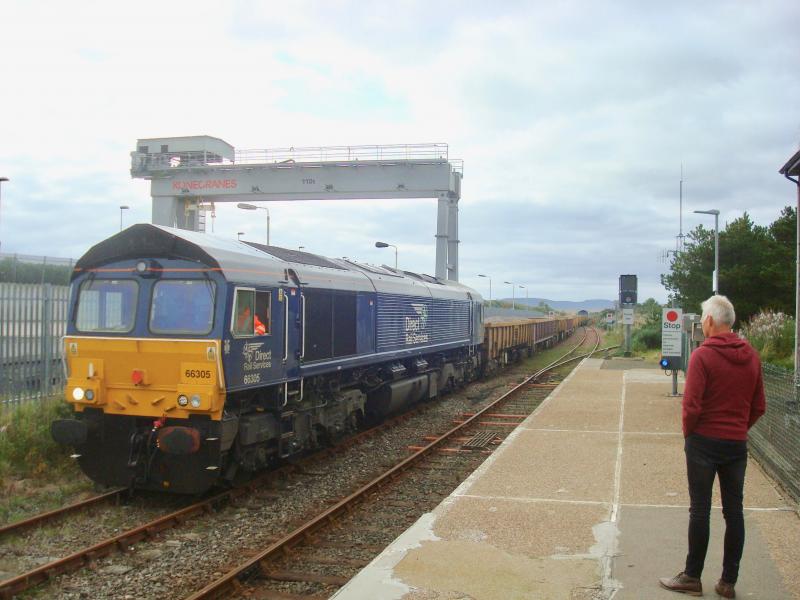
409	321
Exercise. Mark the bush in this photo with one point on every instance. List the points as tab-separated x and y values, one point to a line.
772	334
646	338
26	448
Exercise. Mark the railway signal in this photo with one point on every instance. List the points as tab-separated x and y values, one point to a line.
627	300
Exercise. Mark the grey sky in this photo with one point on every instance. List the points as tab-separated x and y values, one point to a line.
572	119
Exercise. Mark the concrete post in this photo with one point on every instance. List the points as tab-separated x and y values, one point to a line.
164	211
452	240
441	237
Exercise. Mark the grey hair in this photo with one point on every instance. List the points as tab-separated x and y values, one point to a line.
720	308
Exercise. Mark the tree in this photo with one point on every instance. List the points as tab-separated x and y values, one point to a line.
651	311
756	266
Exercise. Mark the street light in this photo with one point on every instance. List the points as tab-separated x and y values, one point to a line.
527	306
245	206
385	245
121	209
513	301
715	278
239	235
2	179
490	286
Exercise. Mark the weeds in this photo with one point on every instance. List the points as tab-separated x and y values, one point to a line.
36	474
772	334
26	448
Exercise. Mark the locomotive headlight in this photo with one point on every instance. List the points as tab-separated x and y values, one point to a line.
183	400
195	401
78	394
141	266
89	394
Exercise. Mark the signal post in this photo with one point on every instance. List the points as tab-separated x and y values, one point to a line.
627	300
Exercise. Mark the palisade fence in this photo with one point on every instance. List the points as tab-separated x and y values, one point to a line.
775	439
33	319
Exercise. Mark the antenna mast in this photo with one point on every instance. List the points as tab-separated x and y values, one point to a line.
679	241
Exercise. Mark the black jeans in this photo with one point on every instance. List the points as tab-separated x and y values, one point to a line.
705	458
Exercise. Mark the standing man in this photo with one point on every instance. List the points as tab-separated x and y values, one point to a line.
722	399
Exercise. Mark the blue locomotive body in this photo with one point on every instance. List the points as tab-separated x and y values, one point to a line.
207	357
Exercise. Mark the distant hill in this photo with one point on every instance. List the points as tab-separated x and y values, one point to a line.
592	305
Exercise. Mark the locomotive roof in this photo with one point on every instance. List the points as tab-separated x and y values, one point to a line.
257	264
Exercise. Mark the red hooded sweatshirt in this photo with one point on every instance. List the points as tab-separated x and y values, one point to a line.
724	392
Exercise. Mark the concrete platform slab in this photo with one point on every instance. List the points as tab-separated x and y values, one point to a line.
592	414
450	567
530	528
653	544
653	470
654	473
653	376
553	465
593	403
647	409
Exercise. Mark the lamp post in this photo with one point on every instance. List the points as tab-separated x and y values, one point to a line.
527	306
2	179
490	287
239	235
513	300
715	279
385	245
245	206
122	208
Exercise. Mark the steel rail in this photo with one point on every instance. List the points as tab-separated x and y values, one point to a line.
306	531
82	558
57	512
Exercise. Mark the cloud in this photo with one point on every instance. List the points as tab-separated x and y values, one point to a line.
573	120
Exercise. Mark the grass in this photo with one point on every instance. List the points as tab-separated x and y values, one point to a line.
35	473
639	344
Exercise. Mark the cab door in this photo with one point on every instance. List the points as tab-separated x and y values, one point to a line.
255	350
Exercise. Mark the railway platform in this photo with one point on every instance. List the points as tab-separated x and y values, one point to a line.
587	499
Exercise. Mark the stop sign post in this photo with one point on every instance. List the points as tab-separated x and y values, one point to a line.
672	343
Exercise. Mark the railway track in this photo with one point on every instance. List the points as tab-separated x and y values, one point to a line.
122	541
36	520
377	512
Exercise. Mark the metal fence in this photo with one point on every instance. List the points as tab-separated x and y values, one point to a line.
33	319
29	268
775	439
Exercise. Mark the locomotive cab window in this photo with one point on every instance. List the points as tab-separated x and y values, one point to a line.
251	313
184	306
107	305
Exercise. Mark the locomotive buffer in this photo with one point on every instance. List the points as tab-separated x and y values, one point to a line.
187	172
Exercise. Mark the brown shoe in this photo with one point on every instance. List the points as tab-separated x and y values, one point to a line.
725	589
683	583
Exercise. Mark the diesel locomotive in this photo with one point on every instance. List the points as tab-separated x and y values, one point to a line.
194	360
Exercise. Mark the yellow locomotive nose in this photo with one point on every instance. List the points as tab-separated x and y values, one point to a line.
176	378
